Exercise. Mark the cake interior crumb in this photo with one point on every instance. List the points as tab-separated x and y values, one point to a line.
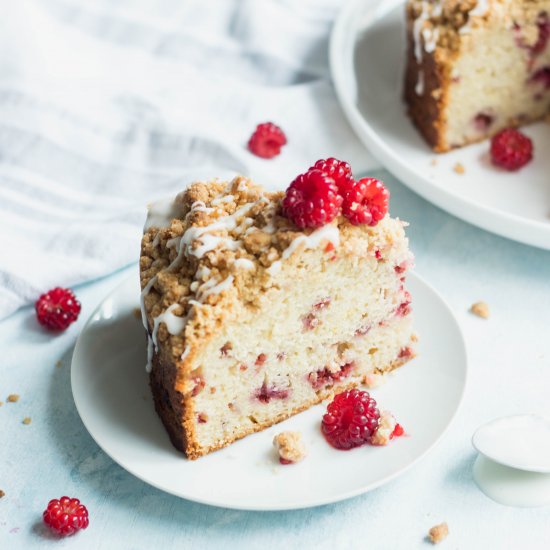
13	398
27	420
290	447
438	533
481	309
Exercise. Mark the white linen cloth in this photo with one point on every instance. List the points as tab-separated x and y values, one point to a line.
108	105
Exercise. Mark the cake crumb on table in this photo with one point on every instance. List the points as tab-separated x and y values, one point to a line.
290	447
481	309
58	364
438	533
459	168
13	398
27	420
433	162
1	403
2	494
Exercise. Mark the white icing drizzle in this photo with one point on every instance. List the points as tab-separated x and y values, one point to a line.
244	263
199	206
173	323
185	352
419	88
144	292
222	199
214	289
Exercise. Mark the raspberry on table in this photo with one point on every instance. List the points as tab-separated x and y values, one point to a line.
351	419
365	201
267	140
57	309
312	200
338	170
511	150
66	516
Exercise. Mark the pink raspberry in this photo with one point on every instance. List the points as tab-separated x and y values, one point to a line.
66	516
351	419
312	200
365	201
57	309
267	140
511	150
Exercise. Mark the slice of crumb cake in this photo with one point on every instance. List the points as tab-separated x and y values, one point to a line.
251	320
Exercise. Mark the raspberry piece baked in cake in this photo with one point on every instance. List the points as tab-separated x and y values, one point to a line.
251	319
475	67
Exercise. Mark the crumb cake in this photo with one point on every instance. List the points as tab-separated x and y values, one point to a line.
475	67
251	320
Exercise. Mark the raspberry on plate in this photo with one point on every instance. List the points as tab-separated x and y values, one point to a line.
57	309
267	140
365	201
66	515
338	170
511	150
351	419
312	199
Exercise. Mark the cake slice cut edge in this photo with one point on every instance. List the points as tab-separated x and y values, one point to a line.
250	320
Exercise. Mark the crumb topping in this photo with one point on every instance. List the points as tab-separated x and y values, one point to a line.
481	309
438	533
290	447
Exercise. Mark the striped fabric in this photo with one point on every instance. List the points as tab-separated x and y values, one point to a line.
107	105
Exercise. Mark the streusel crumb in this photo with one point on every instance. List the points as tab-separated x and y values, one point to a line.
438	533
290	447
386	425
459	168
481	309
27	420
13	398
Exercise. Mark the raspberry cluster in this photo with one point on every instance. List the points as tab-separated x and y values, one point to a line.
66	516
328	189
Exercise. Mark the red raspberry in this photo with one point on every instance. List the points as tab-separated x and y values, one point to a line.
66	516
267	140
365	201
398	431
338	170
312	200
57	309
350	420
510	149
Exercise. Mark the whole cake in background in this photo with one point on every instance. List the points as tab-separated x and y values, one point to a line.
475	67
251	320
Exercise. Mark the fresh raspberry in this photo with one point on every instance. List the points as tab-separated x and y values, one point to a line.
312	200
350	420
66	516
338	170
267	140
510	149
365	201
398	431
57	309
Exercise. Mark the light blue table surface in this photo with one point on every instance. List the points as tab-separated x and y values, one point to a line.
509	373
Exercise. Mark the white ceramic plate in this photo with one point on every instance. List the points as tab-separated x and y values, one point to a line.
367	56
111	392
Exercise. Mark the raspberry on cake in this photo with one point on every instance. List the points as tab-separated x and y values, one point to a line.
251	319
475	67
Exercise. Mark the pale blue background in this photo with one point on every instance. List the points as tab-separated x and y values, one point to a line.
509	373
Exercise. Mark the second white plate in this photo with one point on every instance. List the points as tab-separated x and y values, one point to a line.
112	395
367	56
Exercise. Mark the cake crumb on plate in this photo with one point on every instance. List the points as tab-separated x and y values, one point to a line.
459	168
290	447
481	309
13	398
438	533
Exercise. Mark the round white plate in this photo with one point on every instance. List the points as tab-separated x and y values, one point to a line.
111	392
367	57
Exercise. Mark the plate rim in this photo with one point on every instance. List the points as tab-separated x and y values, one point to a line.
285	506
491	219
